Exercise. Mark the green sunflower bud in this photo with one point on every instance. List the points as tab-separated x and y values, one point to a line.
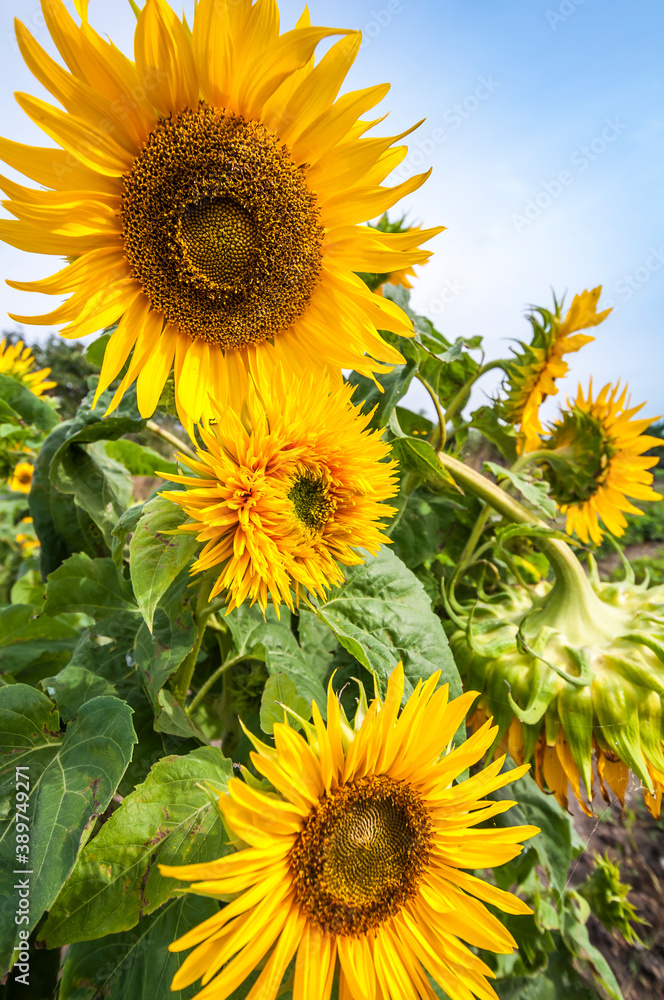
607	898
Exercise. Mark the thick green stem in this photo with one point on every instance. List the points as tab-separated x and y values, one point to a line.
165	435
586	618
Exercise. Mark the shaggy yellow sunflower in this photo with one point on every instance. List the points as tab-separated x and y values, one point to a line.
16	361
286	492
532	373
21	479
603	447
208	196
356	862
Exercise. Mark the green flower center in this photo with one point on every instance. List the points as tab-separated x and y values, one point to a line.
311	501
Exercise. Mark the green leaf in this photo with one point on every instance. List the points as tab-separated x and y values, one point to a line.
34	410
138	459
554	846
125	526
29	589
424	527
418	456
61	526
382	615
171	718
73	687
157	558
502	435
160	652
100	487
78	492
135	963
272	641
168	819
94	352
279	691
72	779
536	492
24	638
91	586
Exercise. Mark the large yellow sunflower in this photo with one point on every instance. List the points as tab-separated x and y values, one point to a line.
605	448
286	491
356	862
208	197
533	372
17	362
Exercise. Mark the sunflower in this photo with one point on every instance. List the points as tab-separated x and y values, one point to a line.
532	373
286	492
605	463
356	862
21	479
16	361
208	197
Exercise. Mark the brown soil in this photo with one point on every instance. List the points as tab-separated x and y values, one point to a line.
636	841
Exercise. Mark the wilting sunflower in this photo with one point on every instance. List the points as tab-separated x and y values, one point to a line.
356	862
208	197
603	448
17	362
532	373
287	491
21	479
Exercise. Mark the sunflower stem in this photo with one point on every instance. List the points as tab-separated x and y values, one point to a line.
458	401
165	435
587	619
182	681
437	441
214	677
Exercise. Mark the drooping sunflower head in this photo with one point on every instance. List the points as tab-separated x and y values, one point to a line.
574	677
17	362
603	447
532	373
286	491
21	479
354	862
209	195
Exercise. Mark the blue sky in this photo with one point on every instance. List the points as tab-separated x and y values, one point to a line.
545	131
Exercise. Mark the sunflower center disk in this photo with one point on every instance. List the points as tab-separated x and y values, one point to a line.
220	228
311	502
361	855
220	240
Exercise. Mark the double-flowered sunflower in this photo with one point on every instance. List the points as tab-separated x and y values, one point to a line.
355	862
18	362
286	491
603	446
532	373
208	196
